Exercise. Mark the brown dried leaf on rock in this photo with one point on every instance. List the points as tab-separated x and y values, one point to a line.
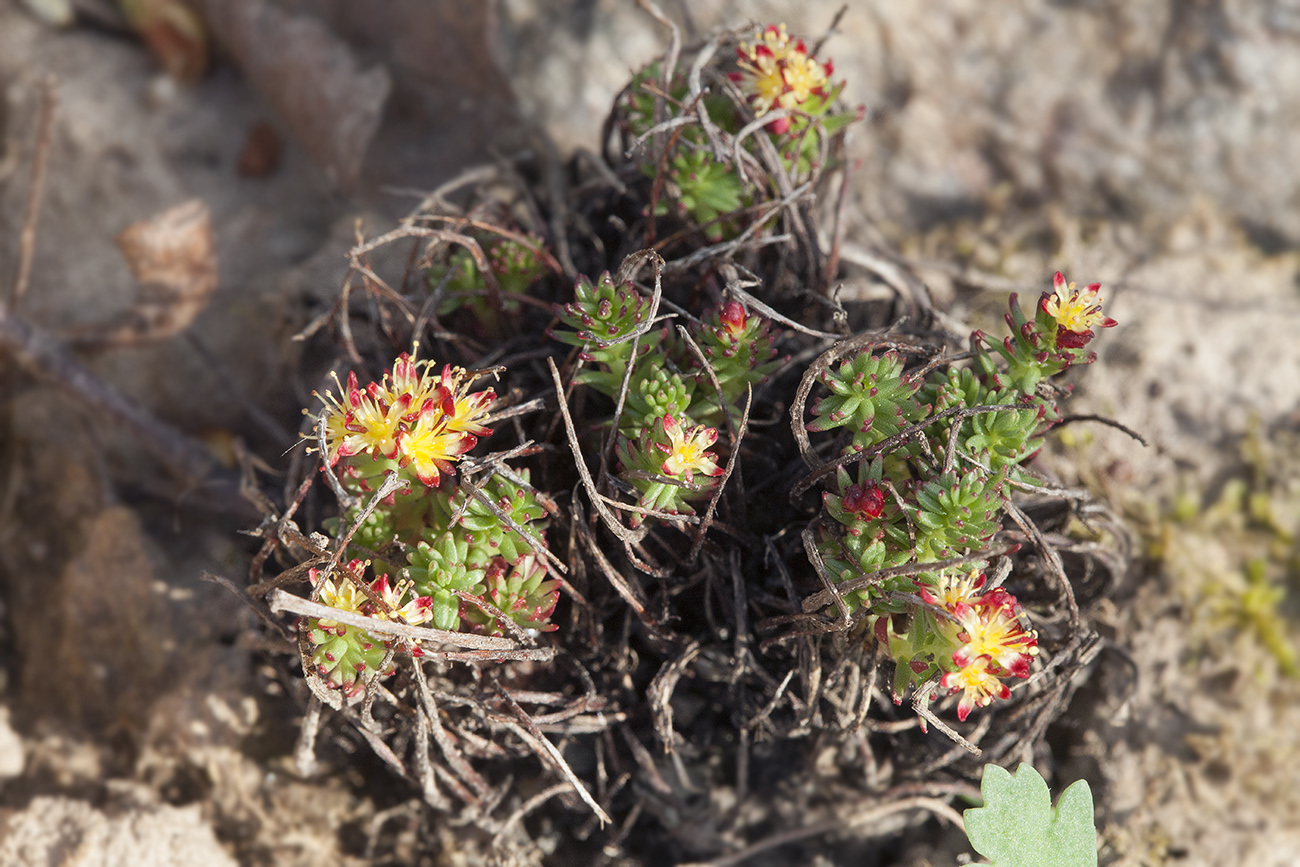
174	257
311	77
174	33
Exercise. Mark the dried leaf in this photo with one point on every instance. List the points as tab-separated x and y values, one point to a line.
174	257
174	33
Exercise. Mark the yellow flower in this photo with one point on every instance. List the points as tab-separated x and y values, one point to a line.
776	72
1073	309
978	683
687	450
430	445
803	77
406	383
360	422
415	611
465	411
953	593
992	630
420	418
341	593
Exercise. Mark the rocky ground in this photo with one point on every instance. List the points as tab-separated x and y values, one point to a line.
1146	145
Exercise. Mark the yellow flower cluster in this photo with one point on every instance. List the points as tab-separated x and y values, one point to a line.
994	644
419	418
343	594
777	72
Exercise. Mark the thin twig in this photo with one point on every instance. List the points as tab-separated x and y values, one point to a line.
1109	422
611	522
523	725
527	807
279	600
895	276
450	751
919	701
737	289
35	194
304	752
1054	564
346	500
392	483
820	599
516	631
660	693
815	557
630	594
45	357
537	545
887	444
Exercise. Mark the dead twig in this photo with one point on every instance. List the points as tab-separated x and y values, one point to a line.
47	358
660	693
278	600
920	698
815	557
537	545
35	195
523	725
611	522
1101	419
1054	564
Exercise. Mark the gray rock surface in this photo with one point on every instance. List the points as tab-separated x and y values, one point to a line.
12	757
72	833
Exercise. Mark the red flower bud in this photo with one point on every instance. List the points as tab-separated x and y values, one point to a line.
869	501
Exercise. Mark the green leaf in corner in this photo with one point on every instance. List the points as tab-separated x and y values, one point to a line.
1019	827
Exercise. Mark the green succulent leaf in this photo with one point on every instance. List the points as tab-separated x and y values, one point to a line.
600	319
870	395
654	393
486	535
439	568
1019	827
345	656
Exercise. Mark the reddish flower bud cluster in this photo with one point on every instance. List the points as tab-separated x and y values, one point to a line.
868	501
733	317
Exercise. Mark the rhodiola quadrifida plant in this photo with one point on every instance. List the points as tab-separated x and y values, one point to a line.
638	463
712	142
429	549
673	399
939	456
